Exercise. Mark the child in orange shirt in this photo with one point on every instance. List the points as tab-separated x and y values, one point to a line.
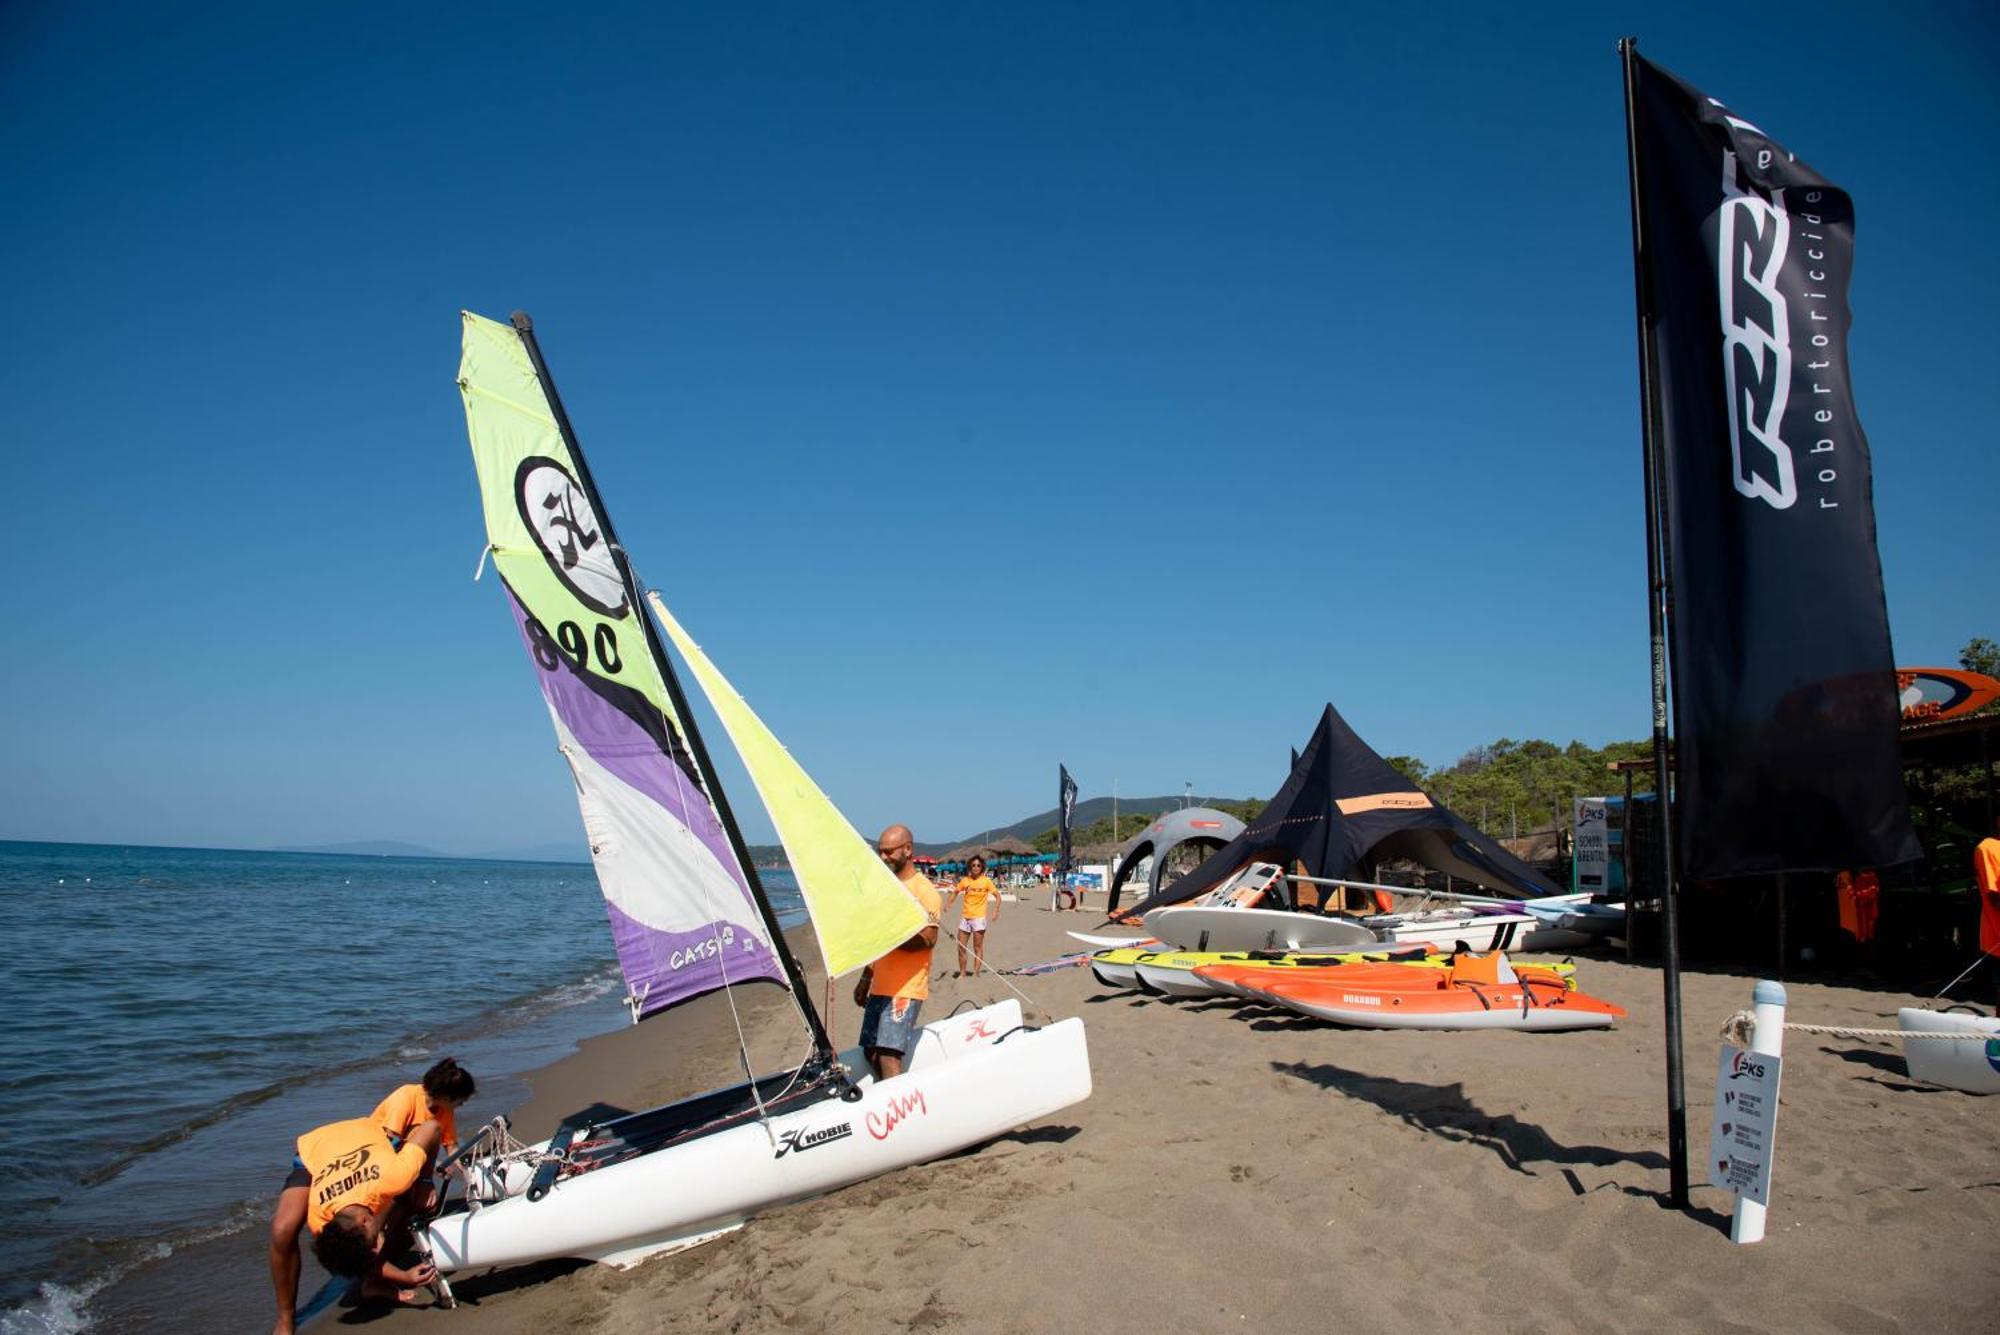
445	1088
979	906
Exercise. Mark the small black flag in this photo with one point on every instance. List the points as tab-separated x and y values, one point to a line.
1065	823
1784	683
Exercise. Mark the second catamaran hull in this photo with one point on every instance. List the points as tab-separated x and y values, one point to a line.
974	1077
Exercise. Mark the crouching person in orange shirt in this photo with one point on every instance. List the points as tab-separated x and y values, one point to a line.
445	1088
352	1188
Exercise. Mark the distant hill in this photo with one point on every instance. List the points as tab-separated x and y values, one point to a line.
369	848
562	850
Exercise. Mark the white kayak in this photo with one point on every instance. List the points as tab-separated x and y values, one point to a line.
670	1178
1119	977
1971	1063
1113	942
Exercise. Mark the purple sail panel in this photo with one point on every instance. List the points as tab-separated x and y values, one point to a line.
662	968
682	916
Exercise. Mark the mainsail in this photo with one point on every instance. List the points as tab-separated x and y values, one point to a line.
682	913
859	910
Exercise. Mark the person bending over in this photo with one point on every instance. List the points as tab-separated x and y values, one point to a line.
893	989
445	1088
351	1188
978	908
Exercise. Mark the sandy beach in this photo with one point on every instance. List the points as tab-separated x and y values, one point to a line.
1240	1168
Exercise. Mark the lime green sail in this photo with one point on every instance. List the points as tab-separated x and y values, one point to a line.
512	429
860	911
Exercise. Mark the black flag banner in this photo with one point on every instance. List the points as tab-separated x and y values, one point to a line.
1065	824
1784	684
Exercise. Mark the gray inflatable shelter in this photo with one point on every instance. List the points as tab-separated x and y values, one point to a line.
1205	828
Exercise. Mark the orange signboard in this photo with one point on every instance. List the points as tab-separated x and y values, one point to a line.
1929	694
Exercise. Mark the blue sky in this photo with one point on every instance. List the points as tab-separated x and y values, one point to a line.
985	385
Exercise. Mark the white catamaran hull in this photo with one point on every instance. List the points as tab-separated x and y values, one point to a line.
974	1077
1971	1063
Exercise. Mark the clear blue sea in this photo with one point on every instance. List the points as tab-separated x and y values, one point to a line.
174	1017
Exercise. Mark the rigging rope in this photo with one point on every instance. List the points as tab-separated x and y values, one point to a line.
1047	1016
1737	1029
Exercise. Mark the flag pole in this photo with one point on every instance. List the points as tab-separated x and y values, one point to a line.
1659	600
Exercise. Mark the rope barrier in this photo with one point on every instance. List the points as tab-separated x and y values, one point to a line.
1736	1029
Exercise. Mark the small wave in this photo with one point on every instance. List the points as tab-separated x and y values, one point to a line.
518	1011
62	1309
57	1309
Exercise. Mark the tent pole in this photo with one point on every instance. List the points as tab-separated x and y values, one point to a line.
1625	865
1659	597
1782	952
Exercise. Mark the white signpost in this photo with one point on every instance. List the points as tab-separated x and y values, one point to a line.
1590	867
1744	1133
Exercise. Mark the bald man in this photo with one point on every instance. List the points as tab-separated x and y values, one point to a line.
893	989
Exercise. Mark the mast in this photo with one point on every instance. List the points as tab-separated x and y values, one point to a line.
823	1049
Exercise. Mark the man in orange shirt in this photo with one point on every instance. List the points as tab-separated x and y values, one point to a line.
347	1185
892	990
1986	885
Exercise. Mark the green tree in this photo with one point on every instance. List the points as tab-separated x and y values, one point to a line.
1980	655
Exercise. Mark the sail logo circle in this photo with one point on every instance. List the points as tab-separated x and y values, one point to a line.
566	527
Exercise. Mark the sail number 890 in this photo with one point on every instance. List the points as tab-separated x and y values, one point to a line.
571	643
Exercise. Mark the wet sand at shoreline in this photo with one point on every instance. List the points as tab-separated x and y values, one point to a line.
1239	1167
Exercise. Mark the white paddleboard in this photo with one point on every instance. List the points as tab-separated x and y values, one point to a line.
1113	942
1196	927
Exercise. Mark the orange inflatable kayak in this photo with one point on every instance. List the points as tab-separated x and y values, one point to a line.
1423	974
1484	992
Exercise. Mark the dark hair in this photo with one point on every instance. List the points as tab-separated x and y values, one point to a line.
343	1248
974	858
449	1080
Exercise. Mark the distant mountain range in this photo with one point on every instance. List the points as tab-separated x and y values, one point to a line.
1088	812
772	855
369	848
560	851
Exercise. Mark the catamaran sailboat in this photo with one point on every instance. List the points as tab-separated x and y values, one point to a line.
688	912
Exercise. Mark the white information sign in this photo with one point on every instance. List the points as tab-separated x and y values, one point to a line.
1746	1123
1591	863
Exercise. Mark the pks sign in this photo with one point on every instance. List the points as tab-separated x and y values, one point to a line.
1746	1123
